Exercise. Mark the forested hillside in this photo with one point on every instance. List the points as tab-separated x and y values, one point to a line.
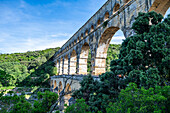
25	69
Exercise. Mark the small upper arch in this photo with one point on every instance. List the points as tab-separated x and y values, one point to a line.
81	36
98	22
106	15
116	8
86	32
75	42
77	39
92	28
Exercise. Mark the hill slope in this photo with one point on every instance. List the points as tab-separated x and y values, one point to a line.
27	67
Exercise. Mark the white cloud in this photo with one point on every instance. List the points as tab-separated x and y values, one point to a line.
117	40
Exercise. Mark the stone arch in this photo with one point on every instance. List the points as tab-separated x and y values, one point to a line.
77	39
61	66
73	62
92	28
86	32
160	6
106	16
82	36
98	22
116	8
101	53
60	87
83	58
55	84
68	96
66	64
74	42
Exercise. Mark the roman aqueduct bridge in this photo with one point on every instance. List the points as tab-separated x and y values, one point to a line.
96	34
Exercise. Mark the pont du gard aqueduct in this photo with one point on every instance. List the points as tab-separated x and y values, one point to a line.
95	36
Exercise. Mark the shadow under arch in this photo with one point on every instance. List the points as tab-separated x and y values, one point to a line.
55	84
160	6
60	87
101	53
73	62
83	58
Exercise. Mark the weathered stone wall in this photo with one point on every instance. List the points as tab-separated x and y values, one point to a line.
66	83
97	33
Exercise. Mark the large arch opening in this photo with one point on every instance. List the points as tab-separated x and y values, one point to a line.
101	54
61	66
73	62
60	87
68	93
83	59
66	65
114	48
160	6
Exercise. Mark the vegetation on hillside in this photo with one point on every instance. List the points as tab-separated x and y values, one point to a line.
27	69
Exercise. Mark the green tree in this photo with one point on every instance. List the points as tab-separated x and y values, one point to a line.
146	53
138	100
79	107
45	101
22	107
53	71
6	79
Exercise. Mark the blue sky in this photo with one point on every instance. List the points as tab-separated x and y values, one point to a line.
28	25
